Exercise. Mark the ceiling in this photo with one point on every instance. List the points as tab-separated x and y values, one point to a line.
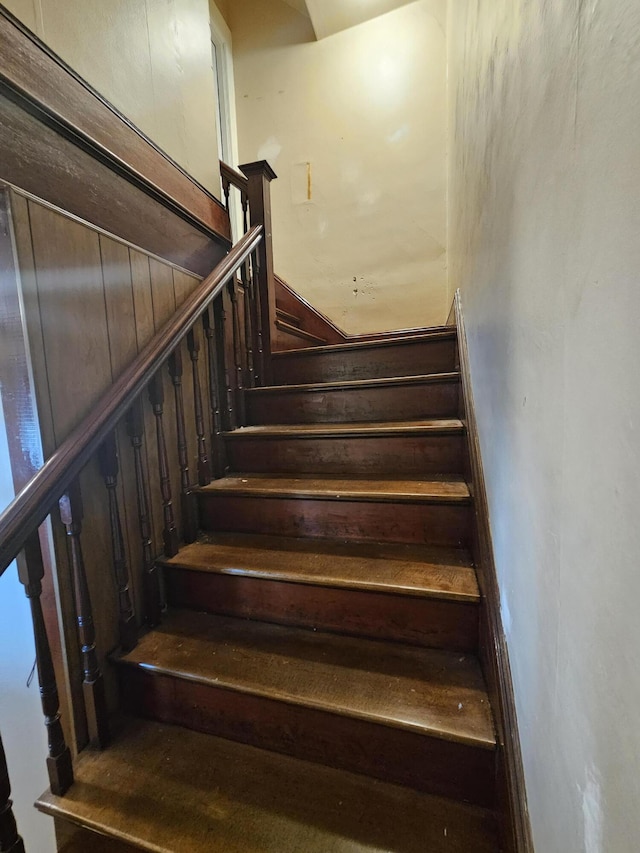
332	16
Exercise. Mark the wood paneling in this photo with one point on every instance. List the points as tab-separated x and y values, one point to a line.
91	302
49	88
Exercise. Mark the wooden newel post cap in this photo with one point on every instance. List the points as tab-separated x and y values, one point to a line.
260	167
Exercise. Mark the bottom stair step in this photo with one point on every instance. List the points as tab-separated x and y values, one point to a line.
165	789
403	714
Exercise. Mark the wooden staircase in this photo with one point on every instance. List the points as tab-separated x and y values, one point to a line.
315	684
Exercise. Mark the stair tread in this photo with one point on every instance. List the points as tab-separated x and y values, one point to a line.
171	790
445	573
378	428
437	333
436	693
418	379
449	490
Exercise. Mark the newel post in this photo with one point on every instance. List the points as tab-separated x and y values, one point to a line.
259	176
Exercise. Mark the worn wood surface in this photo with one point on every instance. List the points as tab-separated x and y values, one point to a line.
396	398
433	352
378	567
214	796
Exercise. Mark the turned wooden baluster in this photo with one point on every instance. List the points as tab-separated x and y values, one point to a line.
215	378
31	572
237	354
257	313
248	322
151	578
10	841
226	188
109	467
169	533
204	469
188	504
226	348
71	513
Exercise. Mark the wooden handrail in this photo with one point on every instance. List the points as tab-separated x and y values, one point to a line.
235	178
35	501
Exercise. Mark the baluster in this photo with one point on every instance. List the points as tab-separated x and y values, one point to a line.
31	572
169	533
237	354
245	211
71	513
257	308
151	578
226	188
187	496
109	468
10	841
248	325
228	356
217	446
204	470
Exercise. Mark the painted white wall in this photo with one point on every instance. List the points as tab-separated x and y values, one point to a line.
355	127
21	720
150	58
544	242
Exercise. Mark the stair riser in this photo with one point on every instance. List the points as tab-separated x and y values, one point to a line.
426	763
420	621
437	356
431	524
430	400
411	456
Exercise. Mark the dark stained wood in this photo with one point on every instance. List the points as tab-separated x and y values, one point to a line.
59	97
433	352
291	337
37	159
71	514
259	176
213	332
169	531
516	835
188	507
434	693
216	796
418	449
110	468
436	624
151	579
406	398
9	838
291	319
31	572
414	523
443	573
30	508
75	839
310	318
193	344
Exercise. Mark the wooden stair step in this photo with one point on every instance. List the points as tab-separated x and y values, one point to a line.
169	790
432	512
434	693
425	596
386	429
405	448
454	491
430	352
81	840
396	398
444	573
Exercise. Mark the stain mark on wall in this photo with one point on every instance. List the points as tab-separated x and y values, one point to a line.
308	181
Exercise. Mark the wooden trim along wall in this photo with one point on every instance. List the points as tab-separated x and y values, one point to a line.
63	142
516	826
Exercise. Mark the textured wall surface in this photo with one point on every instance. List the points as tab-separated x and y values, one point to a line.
355	127
544	224
150	58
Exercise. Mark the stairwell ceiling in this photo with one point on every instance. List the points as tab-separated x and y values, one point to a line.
332	16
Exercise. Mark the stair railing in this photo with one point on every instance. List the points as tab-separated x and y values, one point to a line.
229	359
